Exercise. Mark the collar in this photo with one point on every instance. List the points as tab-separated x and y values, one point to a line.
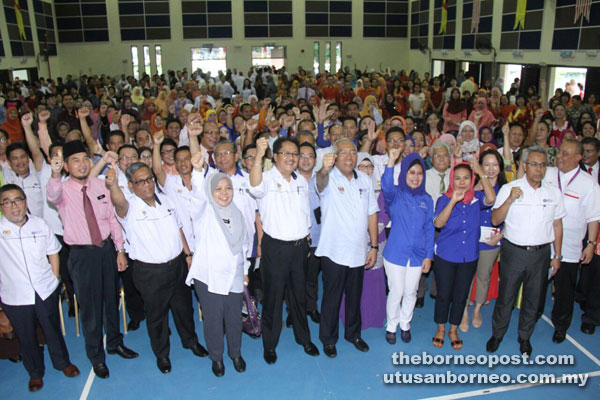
276	171
9	224
568	175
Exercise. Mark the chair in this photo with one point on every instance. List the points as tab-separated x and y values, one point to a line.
76	305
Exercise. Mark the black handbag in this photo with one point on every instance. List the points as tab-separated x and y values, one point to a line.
251	322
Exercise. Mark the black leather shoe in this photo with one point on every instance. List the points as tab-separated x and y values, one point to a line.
492	344
123	352
199	350
420	302
288	321
311	349
360	344
164	365
101	371
525	347
133	325
16	359
239	364
270	356
588	328
218	368
35	384
315	316
559	336
330	350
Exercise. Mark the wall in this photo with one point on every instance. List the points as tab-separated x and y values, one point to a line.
108	57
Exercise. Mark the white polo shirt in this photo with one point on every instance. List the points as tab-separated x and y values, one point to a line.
529	219
30	185
345	207
581	195
24	266
153	232
244	201
184	201
49	210
284	207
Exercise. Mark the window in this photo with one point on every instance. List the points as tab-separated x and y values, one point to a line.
269	56
79	21
419	24
316	57
268	18
326	18
158	59
135	62
567	79
213	59
327	64
338	56
147	65
206	19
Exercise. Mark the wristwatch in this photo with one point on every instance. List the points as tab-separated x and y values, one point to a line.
591	242
375	247
191	254
557	258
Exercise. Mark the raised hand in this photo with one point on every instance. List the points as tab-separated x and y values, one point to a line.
372	132
56	165
476	167
262	144
288	120
328	162
198	161
26	120
110	157
458	195
110	178
194	128
251	125
158	137
515	193
83	112
43	116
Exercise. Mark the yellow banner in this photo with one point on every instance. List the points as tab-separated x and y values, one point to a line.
520	16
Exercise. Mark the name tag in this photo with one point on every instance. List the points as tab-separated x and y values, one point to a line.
101	197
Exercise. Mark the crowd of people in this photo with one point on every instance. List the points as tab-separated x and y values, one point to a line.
261	182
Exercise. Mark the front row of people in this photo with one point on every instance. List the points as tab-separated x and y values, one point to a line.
95	214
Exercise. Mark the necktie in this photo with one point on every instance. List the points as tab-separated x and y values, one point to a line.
442	184
211	160
590	170
90	218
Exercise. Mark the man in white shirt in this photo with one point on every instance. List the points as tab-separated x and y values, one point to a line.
285	213
394	139
305	92
29	285
161	257
21	173
532	213
349	209
591	151
582	202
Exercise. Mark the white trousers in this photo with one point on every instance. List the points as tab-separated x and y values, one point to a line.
403	283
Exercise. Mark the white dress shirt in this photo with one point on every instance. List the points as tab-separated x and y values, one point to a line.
152	232
595	169
284	206
346	206
30	185
529	219
433	180
581	195
185	203
49	211
24	266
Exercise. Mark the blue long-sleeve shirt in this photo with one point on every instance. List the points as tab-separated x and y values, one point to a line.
411	236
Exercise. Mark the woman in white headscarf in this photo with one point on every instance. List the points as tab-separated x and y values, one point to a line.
219	268
468	140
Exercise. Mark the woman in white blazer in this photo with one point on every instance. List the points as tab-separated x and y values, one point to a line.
219	268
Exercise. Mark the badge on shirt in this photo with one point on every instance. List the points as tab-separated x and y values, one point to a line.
6	232
279	185
143	213
547	200
179	191
423	205
341	189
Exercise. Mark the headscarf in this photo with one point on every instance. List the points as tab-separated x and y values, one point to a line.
362	156
407	163
235	231
492	141
161	104
137	96
402	121
13	126
470	193
471	147
487	118
153	127
366	109
455	106
147	115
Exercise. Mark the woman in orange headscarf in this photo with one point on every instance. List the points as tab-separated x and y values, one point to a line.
157	123
161	104
13	125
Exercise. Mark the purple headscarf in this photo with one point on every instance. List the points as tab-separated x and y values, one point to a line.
407	163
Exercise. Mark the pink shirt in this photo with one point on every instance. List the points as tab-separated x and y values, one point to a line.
68	199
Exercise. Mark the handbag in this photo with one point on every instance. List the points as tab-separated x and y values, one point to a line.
251	322
6	329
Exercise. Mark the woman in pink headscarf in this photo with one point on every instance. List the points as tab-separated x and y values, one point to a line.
480	115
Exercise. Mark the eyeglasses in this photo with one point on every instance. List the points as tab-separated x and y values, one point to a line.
146	157
250	158
396	141
304	155
223	154
8	203
212	132
141	182
366	167
286	154
536	165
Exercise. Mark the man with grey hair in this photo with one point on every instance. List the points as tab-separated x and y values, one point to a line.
349	210
532	212
162	258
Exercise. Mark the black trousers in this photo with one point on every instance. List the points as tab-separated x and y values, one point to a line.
453	283
65	277
94	273
519	266
23	319
133	298
220	314
163	288
565	283
312	267
590	276
283	273
337	281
